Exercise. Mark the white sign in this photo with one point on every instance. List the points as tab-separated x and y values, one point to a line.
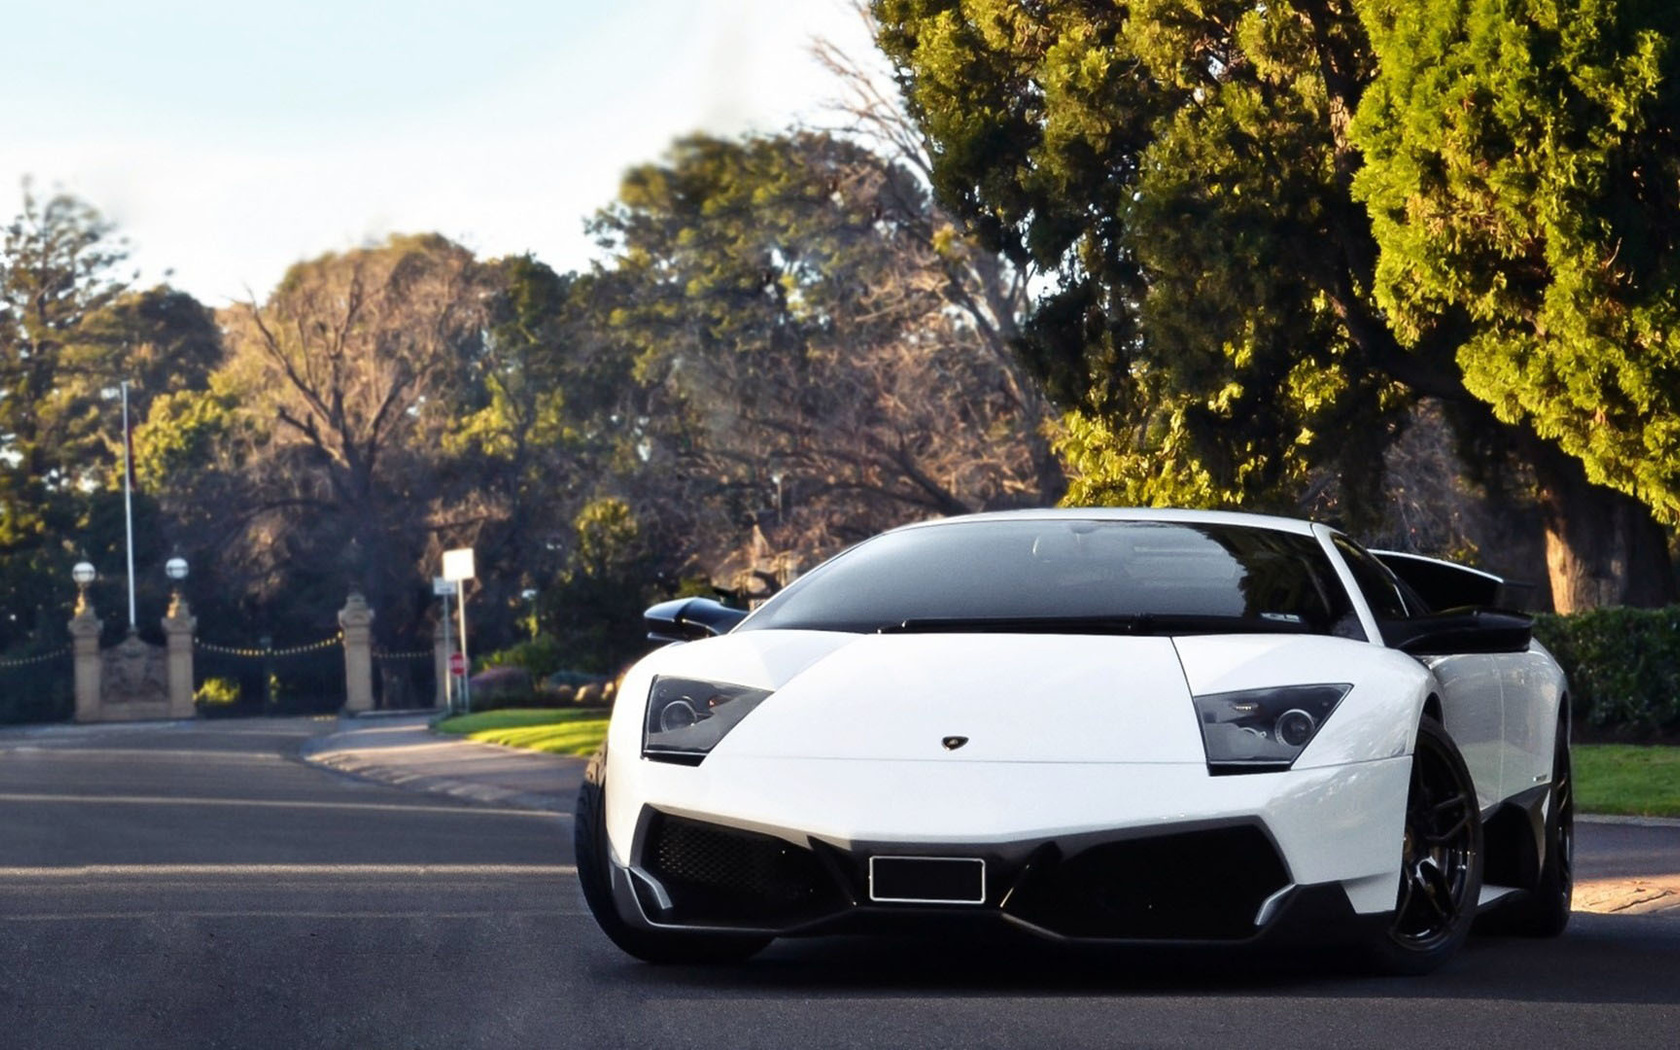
458	564
444	588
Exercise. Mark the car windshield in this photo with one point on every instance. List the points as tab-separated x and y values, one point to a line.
1074	576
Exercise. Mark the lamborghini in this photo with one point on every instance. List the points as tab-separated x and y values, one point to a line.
1137	727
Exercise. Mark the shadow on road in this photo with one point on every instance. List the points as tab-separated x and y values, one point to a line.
1601	959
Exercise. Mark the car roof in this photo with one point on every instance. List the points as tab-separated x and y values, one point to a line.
1142	514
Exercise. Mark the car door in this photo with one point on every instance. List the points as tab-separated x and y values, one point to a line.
1473	708
1532	693
1472	689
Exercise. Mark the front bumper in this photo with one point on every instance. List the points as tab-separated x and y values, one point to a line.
1121	851
1224	883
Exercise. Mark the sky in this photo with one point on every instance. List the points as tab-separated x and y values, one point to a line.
230	140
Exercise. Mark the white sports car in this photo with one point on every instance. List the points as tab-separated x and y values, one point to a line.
1124	726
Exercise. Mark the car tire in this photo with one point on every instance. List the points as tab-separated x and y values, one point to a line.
1544	910
1441	860
594	865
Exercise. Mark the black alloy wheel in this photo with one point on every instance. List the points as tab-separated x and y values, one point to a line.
1441	859
1544	910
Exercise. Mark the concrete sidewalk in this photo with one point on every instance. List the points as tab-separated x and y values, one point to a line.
401	750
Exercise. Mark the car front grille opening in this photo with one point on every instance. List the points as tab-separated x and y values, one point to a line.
715	874
1198	885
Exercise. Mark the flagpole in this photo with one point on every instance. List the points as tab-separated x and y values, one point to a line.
128	505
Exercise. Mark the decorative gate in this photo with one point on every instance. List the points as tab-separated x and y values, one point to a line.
404	679
303	679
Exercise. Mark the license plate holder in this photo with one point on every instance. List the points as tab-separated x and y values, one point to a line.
927	880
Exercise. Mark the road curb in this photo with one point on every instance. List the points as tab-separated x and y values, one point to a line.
327	752
465	790
1632	822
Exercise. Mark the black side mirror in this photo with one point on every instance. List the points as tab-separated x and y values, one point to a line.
1467	630
687	619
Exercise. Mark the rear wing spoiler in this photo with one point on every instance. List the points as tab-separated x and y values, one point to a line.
1448	585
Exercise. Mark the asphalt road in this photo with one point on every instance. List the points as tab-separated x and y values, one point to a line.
191	886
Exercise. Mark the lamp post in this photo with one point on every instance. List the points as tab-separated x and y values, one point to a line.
176	569
84	574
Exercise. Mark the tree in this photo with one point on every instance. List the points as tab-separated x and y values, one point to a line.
595	605
57	268
70	331
1181	174
543	422
310	465
806	327
1520	169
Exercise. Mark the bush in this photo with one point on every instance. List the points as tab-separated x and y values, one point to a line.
1623	665
540	657
217	692
501	687
575	679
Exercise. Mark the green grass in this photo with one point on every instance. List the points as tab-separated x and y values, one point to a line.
1627	779
559	731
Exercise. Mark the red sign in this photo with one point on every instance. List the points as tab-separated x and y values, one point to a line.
457	664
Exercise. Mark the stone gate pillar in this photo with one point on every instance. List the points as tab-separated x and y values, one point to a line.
356	620
440	663
84	643
178	626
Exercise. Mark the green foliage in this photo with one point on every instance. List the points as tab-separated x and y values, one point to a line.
217	692
595	607
1623	665
1175	171
539	657
183	432
504	686
70	332
1217	308
1521	167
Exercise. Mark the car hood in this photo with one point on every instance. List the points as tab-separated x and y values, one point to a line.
1010	697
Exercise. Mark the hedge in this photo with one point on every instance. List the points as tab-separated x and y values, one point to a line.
1623	666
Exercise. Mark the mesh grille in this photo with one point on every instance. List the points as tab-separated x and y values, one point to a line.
720	874
1195	885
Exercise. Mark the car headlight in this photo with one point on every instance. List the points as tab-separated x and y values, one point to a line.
686	718
1260	730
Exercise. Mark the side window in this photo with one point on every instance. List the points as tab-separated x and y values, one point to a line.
1375	582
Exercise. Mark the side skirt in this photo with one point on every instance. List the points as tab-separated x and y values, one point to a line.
1514	835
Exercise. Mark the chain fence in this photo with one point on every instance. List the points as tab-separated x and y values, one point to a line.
404	679
38	687
235	680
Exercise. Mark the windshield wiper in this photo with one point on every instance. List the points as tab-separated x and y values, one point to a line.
1136	624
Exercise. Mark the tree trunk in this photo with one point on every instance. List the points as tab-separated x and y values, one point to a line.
1602	547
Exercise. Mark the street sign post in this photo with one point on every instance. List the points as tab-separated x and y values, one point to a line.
446	589
458	564
458	568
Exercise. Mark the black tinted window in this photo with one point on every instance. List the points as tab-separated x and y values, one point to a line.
1070	568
